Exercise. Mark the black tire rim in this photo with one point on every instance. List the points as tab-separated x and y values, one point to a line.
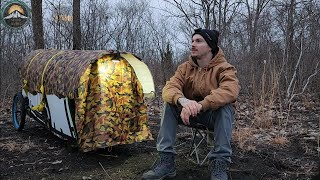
18	111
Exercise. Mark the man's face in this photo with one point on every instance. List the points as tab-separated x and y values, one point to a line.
199	47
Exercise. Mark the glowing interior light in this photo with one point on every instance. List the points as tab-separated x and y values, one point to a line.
115	60
102	69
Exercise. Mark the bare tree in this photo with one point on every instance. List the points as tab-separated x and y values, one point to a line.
37	24
97	32
290	95
254	13
133	28
216	14
167	63
252	32
1	47
61	25
76	25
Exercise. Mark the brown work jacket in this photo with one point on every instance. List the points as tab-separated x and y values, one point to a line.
212	86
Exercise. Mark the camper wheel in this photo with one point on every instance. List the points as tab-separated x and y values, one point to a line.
18	111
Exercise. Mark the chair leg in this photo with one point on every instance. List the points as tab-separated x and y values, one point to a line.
204	160
195	145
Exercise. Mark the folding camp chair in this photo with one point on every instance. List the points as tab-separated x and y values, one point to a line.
200	143
200	146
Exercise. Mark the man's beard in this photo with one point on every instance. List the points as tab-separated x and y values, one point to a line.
194	57
200	56
195	60
197	57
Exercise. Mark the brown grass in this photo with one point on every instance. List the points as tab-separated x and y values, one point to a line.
262	118
280	141
13	146
242	137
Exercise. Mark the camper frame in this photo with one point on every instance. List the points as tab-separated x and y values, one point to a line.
95	98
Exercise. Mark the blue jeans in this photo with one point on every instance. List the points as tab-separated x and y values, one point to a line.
221	120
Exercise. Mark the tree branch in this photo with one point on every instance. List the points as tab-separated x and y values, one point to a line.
294	76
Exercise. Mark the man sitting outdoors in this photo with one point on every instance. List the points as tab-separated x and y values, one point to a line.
202	90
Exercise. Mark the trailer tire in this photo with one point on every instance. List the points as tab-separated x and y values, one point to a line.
18	111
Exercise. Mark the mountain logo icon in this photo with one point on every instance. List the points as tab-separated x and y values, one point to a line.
15	14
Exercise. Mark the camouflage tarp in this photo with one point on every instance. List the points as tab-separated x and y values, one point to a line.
108	96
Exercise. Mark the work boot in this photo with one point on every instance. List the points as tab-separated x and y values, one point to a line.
164	167
219	169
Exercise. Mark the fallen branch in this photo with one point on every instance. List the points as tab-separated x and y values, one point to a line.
105	171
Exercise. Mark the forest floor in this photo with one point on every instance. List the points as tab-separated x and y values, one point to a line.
269	143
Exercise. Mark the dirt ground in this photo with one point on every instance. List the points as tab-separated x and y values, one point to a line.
289	151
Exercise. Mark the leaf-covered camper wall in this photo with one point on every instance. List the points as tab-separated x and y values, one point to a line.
108	95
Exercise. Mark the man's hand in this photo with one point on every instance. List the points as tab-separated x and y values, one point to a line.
190	108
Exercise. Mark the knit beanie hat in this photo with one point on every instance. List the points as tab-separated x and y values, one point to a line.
210	36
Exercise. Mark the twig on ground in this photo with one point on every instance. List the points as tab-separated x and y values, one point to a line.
105	171
30	163
183	143
106	155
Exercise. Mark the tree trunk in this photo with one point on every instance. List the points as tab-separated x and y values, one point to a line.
76	25
289	37
1	62
37	24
